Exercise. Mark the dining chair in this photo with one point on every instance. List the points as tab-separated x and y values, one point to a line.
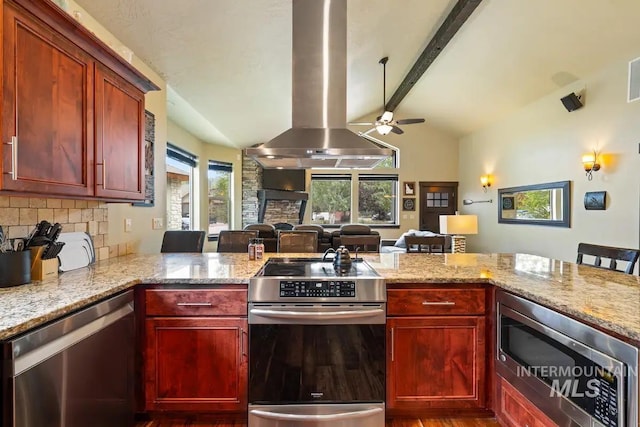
598	252
364	242
430	244
303	241
182	241
235	240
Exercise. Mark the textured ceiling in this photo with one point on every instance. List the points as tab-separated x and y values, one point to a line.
228	62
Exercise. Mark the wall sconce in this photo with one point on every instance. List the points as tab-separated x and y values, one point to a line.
590	163
485	180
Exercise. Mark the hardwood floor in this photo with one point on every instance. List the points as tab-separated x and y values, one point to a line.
440	422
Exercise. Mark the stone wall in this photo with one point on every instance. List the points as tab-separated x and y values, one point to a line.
277	210
251	183
174	202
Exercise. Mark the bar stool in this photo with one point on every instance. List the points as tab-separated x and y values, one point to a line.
304	241
235	240
182	241
612	253
430	244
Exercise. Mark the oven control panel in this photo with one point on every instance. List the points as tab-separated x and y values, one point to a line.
318	288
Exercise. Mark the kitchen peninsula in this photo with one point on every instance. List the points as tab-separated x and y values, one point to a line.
606	300
597	296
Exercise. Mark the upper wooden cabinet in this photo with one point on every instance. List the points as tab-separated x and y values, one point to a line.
73	110
119	136
47	110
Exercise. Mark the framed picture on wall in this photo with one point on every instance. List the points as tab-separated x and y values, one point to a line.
408	204
409	188
149	138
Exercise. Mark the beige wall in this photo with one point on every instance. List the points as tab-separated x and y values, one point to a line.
426	154
205	152
142	237
544	143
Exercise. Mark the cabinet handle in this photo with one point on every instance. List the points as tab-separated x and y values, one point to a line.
438	303
242	334
392	346
104	172
194	304
14	157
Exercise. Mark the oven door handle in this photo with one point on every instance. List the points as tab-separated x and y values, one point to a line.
315	418
337	314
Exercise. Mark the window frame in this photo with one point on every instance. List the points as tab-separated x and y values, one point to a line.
220	166
190	160
395	214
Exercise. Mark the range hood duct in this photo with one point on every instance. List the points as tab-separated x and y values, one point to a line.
319	137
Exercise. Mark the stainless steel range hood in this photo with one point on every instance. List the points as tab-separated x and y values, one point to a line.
318	137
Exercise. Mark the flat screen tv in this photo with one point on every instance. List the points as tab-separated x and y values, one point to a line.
283	179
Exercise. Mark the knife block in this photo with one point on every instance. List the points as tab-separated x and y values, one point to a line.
42	269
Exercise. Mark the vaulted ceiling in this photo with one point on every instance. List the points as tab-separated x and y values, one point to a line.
228	62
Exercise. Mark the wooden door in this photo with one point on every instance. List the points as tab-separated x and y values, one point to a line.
436	198
436	362
196	364
48	110
119	137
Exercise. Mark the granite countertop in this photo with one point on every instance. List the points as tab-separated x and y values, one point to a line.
608	299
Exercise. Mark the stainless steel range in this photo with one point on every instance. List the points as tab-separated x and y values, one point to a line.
317	344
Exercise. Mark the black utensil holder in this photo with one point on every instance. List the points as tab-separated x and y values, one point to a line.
15	268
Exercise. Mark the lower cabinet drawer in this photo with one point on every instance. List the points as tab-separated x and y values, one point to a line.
196	302
437	301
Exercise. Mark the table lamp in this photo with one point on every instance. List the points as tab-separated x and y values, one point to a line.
457	225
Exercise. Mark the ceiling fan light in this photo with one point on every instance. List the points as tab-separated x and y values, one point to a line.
384	129
387	116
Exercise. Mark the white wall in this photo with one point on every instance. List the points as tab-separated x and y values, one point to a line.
545	143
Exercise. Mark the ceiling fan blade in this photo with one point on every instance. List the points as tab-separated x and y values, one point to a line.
361	124
396	129
409	121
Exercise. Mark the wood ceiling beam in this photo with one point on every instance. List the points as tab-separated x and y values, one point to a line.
452	23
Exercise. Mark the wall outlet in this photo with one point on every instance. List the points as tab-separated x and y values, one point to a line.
156	224
128	224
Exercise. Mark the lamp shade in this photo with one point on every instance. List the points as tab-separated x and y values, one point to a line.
458	224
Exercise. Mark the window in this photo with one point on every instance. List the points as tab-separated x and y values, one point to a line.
390	162
377	196
180	166
219	191
330	199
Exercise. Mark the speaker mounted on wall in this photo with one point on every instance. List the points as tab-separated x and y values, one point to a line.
572	102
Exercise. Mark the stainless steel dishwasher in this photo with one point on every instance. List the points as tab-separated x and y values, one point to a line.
76	371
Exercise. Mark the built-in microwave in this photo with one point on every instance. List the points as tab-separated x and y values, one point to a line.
577	375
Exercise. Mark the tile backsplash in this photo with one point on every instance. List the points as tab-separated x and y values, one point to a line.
19	215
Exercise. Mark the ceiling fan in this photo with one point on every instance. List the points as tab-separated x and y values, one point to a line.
385	123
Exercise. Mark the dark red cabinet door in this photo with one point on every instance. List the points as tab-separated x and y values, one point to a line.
436	362
48	110
196	364
119	121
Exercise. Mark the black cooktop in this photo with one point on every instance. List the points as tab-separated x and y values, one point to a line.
314	268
